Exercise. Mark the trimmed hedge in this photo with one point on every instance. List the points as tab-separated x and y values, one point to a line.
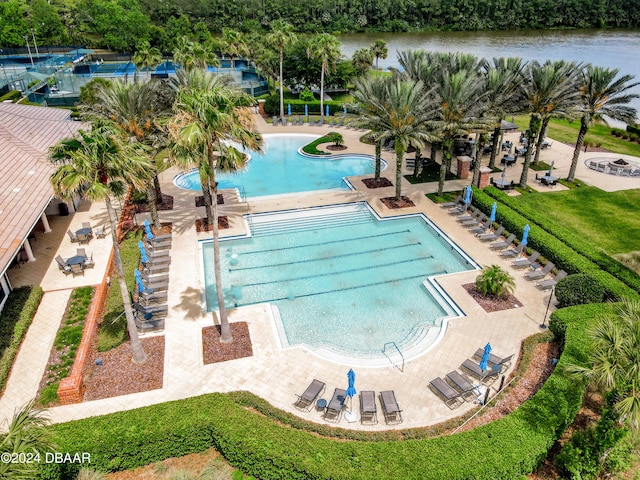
505	449
549	246
572	239
17	315
272	106
579	289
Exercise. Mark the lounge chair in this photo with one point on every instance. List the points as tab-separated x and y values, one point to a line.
486	237
551	282
475	213
151	309
162	277
147	299
62	265
512	252
494	360
474	222
72	236
274	121
539	274
503	244
156	268
76	269
368	411
526	261
485	376
308	397
446	392
333	412
462	384
390	408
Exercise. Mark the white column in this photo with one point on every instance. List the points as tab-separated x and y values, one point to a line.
29	252
45	223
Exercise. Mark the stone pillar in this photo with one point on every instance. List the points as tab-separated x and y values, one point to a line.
28	251
45	223
71	390
261	106
483	179
464	164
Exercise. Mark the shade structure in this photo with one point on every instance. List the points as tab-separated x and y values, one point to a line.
484	362
289	109
141	287
351	389
467	194
147	229
525	234
344	109
551	168
143	252
492	217
306	110
326	111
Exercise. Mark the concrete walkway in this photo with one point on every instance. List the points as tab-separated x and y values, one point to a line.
274	373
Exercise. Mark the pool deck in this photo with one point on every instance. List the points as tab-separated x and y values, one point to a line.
273	373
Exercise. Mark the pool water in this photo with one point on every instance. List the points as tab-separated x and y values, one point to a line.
281	169
342	280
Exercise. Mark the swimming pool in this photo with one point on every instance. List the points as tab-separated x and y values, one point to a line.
344	283
283	170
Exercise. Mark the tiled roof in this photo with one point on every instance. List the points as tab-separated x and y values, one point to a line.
26	133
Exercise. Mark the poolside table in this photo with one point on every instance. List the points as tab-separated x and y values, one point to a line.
76	260
508	160
548	180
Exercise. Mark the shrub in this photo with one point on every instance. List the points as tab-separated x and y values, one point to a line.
579	289
495	281
306	95
11	95
336	138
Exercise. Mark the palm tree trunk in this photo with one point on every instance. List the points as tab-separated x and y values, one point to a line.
378	161
532	132
416	166
225	328
137	351
322	93
543	133
478	161
206	190
281	88
152	201
447	147
399	156
494	150
156	184
576	152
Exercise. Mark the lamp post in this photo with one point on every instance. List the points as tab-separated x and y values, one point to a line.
26	39
543	325
33	34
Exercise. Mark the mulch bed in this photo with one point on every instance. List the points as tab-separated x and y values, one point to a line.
200	200
166	203
213	351
381	183
119	376
492	304
336	148
392	203
165	229
203	226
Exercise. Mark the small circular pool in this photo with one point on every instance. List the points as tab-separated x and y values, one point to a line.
282	169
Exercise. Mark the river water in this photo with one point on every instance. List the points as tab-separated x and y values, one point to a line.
607	48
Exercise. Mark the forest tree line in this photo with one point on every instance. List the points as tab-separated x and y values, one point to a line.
122	24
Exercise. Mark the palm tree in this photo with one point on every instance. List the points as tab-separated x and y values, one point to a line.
403	111
326	48
379	49
615	359
495	281
96	166
602	94
233	44
147	57
25	434
362	60
281	35
370	95
190	55
549	90
136	109
209	115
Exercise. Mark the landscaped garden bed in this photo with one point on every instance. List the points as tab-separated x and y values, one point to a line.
213	351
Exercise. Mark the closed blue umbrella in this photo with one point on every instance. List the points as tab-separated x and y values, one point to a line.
306	110
467	194
351	389
551	168
525	234
327	111
143	252
484	362
492	217
141	287
147	229
344	107
289	109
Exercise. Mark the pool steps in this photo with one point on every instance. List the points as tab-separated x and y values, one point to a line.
272	227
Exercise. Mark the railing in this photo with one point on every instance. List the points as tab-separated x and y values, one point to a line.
384	350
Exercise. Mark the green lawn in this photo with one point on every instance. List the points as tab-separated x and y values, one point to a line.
607	220
567	132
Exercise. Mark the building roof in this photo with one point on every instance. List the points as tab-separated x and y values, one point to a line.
26	133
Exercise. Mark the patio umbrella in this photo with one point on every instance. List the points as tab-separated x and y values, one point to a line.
143	252
344	109
306	110
327	111
492	217
551	168
147	229
467	194
351	389
484	362
289	109
525	234
141	287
